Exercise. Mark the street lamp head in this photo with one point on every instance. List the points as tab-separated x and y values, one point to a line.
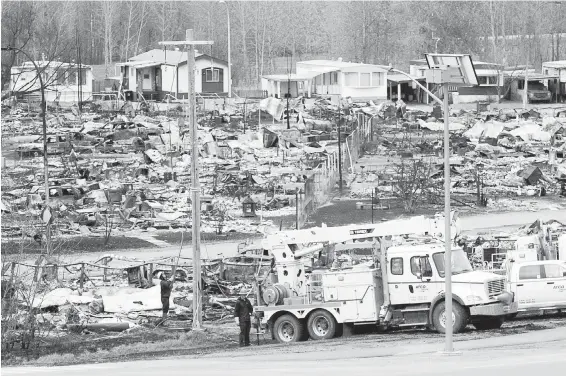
8	48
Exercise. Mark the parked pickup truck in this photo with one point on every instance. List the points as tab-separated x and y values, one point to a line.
538	285
537	92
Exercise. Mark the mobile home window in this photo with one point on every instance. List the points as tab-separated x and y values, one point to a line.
521	84
333	78
377	79
60	77
365	79
482	80
212	75
72	79
492	80
83	76
351	79
397	266
530	272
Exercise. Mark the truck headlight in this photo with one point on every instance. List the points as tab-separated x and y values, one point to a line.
474	298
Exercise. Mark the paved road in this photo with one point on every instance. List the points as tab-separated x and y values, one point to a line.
511	219
471	224
539	353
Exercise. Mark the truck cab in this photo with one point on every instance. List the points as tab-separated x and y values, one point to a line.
416	275
538	285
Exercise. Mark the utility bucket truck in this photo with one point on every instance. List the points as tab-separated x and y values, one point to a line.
402	287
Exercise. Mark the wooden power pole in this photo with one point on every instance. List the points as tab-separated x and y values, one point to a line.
190	44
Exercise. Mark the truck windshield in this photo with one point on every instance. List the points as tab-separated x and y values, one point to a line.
536	85
460	262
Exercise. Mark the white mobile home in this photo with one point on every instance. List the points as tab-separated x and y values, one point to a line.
330	77
62	81
557	86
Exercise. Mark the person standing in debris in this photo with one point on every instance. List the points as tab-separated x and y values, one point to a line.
242	316
166	287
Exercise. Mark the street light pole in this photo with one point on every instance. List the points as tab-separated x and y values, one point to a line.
447	238
444	76
229	57
44	129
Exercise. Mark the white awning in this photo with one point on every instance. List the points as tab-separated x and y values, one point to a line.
139	64
300	77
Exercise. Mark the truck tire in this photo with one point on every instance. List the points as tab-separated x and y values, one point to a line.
321	325
460	317
489	323
288	328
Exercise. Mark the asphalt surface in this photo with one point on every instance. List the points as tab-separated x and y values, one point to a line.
469	224
541	352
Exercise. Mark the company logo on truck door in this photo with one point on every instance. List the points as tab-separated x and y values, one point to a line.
558	287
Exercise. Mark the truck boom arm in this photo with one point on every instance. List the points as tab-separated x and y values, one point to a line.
278	244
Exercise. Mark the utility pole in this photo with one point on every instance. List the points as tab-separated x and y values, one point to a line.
372	198
245	115
340	145
79	77
190	44
526	85
297	208
288	97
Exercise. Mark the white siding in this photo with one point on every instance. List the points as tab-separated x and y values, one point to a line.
183	79
67	90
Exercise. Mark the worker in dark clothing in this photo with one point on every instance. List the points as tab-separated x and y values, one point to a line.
242	313
166	287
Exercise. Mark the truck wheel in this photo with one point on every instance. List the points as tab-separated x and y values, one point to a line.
287	329
489	323
321	325
460	317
